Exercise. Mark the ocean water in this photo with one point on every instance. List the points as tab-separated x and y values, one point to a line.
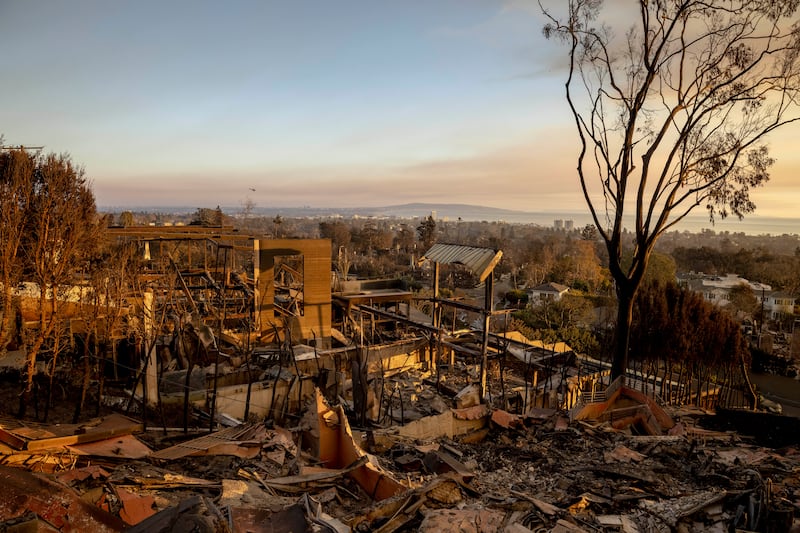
697	222
751	225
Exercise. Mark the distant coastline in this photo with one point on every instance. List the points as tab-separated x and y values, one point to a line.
695	223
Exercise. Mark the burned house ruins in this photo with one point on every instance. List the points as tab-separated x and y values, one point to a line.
255	389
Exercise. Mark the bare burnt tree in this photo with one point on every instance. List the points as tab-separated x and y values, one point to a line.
104	298
16	175
672	113
60	235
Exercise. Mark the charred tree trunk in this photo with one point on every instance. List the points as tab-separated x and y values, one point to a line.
7	316
679	385
186	398
750	391
359	373
101	381
625	297
84	382
30	367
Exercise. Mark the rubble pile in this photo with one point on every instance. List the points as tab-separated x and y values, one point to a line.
371	408
468	469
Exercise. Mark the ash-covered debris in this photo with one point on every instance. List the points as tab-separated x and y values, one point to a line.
486	471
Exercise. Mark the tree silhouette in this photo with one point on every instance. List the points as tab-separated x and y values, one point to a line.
338	232
277	225
427	232
205	216
126	219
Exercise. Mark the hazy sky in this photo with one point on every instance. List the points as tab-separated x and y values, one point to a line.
320	103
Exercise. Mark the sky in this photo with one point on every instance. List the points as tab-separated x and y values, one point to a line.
305	103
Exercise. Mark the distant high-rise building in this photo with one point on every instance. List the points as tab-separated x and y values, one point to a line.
558	224
433	214
569	225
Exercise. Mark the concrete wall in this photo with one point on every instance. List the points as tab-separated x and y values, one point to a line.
316	317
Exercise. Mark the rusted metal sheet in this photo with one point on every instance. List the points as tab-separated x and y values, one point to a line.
135	508
301	483
439	462
55	504
618	409
196	513
480	261
122	447
289	520
336	448
81	474
206	442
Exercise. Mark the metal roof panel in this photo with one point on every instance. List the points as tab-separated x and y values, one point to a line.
481	261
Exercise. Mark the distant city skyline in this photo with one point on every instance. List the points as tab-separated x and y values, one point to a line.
299	103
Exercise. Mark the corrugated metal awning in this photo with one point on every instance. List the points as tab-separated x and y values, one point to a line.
481	261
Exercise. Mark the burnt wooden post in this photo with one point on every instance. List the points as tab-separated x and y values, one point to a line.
488	304
359	373
435	311
481	261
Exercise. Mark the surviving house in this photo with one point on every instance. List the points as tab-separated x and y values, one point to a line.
779	304
717	289
547	292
